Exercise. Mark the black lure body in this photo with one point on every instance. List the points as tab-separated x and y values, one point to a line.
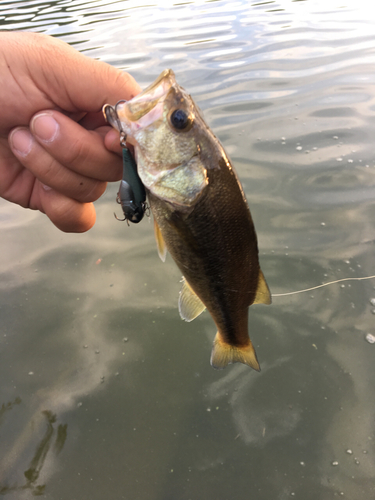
131	194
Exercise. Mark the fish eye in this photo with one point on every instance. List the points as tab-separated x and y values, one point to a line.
179	119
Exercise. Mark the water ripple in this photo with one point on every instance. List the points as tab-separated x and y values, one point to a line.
288	86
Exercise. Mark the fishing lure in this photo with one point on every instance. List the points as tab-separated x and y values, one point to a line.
131	194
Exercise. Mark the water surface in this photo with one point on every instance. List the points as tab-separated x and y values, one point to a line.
106	393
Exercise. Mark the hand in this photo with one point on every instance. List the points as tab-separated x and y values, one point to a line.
56	153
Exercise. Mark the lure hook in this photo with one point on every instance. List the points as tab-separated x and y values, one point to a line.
146	209
118	122
121	220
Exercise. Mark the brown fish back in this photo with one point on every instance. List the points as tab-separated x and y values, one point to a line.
215	246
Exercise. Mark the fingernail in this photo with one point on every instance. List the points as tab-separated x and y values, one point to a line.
45	127
21	141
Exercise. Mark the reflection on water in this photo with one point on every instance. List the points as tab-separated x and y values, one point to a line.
90	336
31	475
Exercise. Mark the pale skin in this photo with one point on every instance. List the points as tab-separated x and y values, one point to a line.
56	152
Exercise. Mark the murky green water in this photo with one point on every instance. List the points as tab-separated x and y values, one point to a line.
106	393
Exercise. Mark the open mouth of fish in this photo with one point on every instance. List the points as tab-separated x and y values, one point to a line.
146	108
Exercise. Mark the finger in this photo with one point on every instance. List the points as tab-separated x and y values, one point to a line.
91	121
68	215
111	85
79	85
51	172
70	144
112	141
87	84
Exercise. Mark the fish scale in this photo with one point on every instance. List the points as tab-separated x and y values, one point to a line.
200	212
224	273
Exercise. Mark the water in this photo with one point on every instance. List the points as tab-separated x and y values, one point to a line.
106	393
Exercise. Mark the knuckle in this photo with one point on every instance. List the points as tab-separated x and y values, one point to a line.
47	170
127	84
78	153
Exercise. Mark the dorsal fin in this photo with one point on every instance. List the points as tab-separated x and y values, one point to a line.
189	304
160	243
263	294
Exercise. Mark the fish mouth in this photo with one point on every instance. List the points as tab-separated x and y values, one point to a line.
143	109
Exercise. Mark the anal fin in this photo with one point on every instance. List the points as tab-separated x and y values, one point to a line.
223	354
160	243
263	294
189	304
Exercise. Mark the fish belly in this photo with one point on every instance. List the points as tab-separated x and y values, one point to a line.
215	246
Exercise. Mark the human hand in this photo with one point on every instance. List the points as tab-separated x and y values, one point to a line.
56	153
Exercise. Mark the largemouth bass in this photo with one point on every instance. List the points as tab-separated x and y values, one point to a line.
200	212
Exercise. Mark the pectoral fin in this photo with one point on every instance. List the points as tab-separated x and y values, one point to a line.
160	243
223	354
263	294
189	304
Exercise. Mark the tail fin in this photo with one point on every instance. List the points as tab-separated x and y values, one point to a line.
223	354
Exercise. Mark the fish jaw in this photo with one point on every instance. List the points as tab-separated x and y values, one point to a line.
128	117
147	107
169	159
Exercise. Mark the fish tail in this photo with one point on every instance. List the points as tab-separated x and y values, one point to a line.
223	354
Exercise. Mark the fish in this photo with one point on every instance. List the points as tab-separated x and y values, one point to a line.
201	216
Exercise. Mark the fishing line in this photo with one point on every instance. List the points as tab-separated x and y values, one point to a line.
321	286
